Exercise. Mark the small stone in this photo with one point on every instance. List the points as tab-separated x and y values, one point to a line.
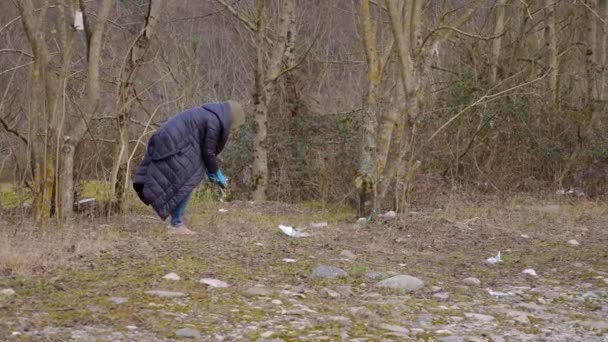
530	272
166	294
605	281
329	293
345	290
171	276
389	215
479	317
595	325
318	224
471	281
435	289
348	255
452	339
8	292
277	302
531	307
394	328
442	296
187	333
573	242
362	221
328	272
213	283
131	327
15	333
118	300
267	334
402	282
257	291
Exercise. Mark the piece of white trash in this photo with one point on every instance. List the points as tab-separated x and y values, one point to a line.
293	232
289	261
222	210
525	236
494	260
497	294
78	21
172	276
530	272
213	283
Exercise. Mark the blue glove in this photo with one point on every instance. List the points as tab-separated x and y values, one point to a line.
218	178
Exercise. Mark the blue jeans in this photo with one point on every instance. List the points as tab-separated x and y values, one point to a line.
177	216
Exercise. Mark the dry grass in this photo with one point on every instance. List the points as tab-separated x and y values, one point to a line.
26	249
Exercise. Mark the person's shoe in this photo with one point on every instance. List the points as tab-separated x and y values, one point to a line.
180	229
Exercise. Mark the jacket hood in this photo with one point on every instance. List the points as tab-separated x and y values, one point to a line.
222	110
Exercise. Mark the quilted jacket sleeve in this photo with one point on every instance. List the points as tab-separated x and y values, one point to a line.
209	147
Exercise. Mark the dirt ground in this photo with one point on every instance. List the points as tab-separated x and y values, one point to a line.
90	280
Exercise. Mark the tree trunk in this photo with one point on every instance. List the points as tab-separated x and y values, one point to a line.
65	185
365	182
125	101
551	53
497	42
266	75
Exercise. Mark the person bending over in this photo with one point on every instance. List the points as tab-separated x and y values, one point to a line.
179	154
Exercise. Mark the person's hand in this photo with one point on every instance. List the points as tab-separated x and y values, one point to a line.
218	178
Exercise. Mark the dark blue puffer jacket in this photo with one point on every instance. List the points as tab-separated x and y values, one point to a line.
179	154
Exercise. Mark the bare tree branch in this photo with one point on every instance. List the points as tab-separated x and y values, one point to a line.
16	51
13	131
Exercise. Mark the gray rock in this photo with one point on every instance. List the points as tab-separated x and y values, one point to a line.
531	307
362	221
394	328
595	325
345	291
442	296
517	316
479	317
187	333
118	300
348	255
402	282
329	293
165	294
328	272
257	291
452	339
471	281
435	289
8	292
379	275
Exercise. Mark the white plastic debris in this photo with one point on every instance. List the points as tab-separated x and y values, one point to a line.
131	327
573	242
213	283
497	294
78	20
525	236
259	244
289	261
530	272
494	260
402	265
293	232
172	276
389	214
222	210
15	333
318	224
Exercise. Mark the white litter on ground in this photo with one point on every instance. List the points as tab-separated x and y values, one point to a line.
530	271
293	232
494	260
